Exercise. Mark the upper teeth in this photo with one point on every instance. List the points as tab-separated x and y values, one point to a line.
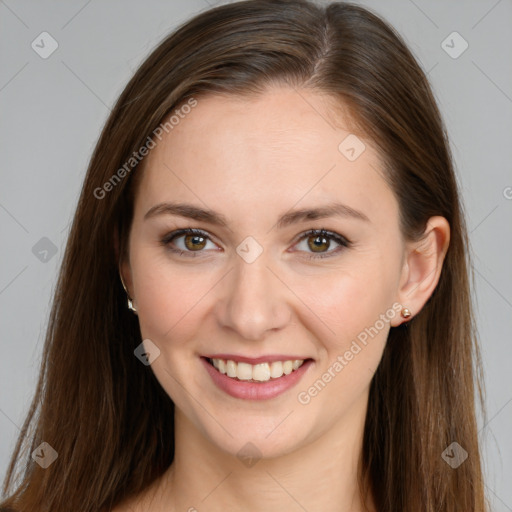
260	372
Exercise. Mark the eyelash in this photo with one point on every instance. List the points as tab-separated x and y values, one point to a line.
344	242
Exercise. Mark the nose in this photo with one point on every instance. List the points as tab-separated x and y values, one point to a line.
254	300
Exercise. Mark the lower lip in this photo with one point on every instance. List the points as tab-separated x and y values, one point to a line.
256	390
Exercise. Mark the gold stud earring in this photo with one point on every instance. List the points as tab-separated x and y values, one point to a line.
406	313
130	301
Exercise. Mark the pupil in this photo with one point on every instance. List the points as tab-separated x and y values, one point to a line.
319	241
194	241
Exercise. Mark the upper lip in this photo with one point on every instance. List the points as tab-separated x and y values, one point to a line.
256	360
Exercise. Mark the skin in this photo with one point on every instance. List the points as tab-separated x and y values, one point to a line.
253	159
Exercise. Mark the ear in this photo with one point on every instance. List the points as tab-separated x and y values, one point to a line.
422	267
123	265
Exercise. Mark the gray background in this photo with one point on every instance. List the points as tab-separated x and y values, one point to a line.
53	110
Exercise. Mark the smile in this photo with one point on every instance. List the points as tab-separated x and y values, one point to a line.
260	381
261	372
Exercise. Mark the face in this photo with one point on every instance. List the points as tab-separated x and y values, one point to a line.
265	285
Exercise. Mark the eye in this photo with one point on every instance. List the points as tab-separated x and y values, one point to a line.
319	239
192	241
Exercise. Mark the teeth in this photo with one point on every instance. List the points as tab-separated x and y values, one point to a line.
244	371
230	368
276	369
261	372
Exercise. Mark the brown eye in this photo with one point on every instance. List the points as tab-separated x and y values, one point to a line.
318	243
194	242
186	242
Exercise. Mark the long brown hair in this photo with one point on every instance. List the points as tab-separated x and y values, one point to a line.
106	414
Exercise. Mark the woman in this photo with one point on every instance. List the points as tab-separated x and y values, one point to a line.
264	301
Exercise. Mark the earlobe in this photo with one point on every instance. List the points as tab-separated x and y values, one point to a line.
423	265
124	271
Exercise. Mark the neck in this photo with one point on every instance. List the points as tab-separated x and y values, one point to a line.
320	475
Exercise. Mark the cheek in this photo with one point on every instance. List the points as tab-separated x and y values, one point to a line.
345	301
169	304
167	296
335	304
357	305
351	324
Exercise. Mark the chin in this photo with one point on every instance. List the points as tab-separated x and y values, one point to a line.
267	437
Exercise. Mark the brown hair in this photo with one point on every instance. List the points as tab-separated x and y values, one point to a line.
106	414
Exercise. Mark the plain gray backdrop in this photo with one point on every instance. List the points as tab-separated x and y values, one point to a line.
53	108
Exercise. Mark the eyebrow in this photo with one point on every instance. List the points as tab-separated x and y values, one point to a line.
191	211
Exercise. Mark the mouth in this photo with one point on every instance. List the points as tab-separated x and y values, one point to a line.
259	381
260	372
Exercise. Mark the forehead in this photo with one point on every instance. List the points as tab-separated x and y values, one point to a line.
279	148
